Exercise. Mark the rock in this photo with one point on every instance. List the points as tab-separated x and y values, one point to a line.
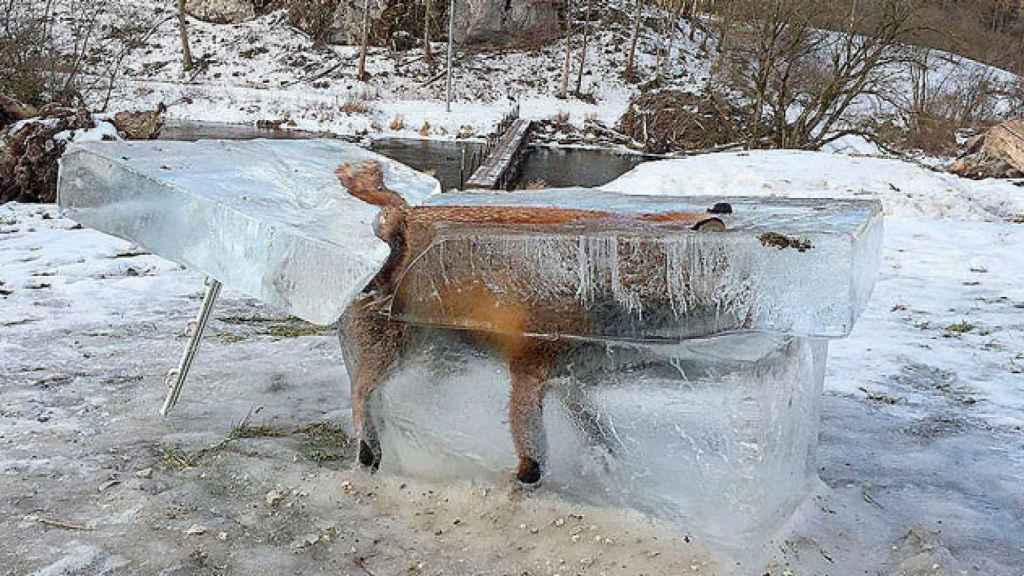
221	11
998	153
144	473
12	111
195	530
140	125
325	20
273	497
506	21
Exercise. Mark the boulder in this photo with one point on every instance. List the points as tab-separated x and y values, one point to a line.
222	11
506	21
12	111
140	125
998	153
501	22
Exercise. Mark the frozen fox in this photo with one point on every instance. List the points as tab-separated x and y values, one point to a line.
372	342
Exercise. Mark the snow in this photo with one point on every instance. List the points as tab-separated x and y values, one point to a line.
905	189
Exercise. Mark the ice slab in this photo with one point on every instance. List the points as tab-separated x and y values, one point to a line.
716	435
267	218
789	266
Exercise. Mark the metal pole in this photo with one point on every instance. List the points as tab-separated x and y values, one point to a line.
451	43
462	170
175	378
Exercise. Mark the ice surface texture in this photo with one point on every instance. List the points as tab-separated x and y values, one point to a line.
797	267
267	218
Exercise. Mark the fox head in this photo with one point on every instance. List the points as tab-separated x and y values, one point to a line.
365	181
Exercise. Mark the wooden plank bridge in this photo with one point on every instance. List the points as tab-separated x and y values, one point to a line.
498	165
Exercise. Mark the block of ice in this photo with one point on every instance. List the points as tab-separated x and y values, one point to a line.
791	266
716	435
267	218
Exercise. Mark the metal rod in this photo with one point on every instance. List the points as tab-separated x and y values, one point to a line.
175	378
451	42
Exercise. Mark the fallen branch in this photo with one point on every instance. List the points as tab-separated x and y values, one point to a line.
61	524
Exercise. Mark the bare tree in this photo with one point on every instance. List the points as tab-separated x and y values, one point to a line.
801	69
630	73
676	9
563	92
691	14
583	49
186	50
428	53
361	71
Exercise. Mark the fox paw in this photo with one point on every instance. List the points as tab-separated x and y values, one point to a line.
367	457
529	471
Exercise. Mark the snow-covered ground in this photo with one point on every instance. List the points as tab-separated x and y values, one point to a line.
922	449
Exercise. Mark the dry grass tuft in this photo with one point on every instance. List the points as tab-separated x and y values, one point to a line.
397	123
356	105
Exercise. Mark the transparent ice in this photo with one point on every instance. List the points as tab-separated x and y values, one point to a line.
267	218
716	435
691	388
644	281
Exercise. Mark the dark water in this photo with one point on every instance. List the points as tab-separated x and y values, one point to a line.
549	167
211	130
553	167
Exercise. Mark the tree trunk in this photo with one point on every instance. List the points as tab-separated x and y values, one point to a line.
428	53
361	71
693	19
583	49
630	74
672	31
186	51
564	91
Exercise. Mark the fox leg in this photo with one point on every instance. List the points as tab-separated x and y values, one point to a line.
371	344
529	368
